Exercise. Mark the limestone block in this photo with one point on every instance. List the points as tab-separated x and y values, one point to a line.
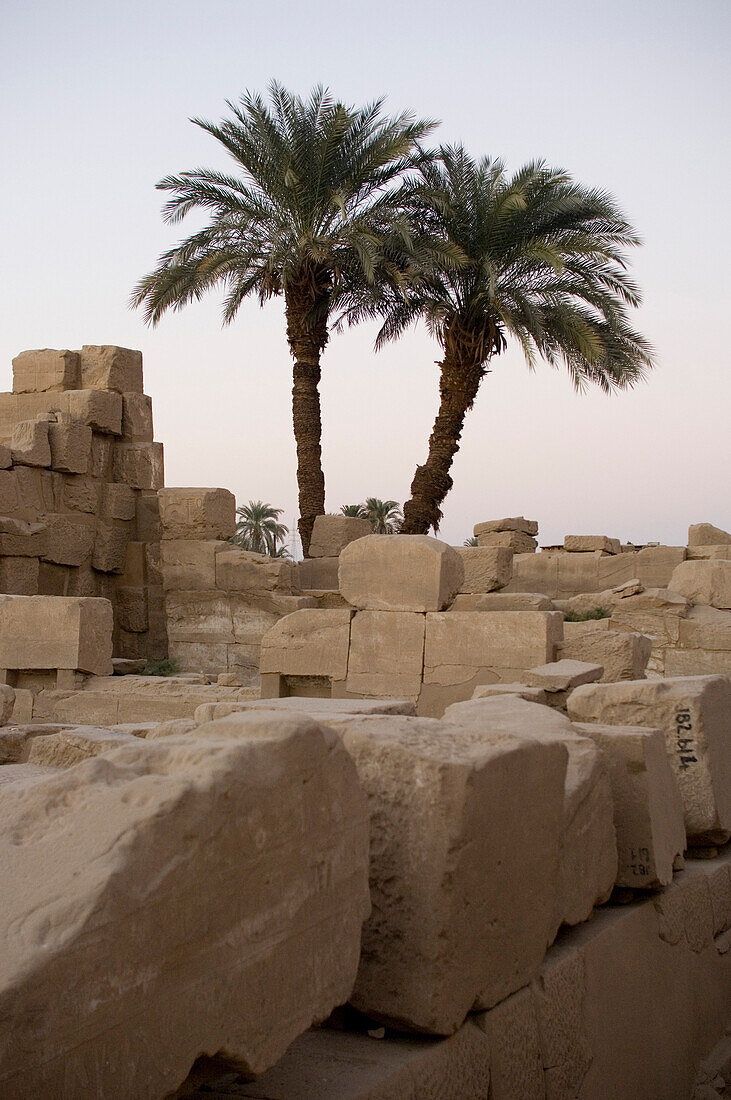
516	1066
622	654
69	538
140	465
72	745
386	653
127	876
239	570
189	564
321	709
514	523
693	713
319	574
78	493
485	568
572	631
110	546
107	367
530	694
564	674
131	609
137	417
100	410
6	457
102	448
707	553
464	842
655	564
135	572
582	543
705	628
119	502
587	844
197	513
210	657
250	624
703	582
403	573
46	370
516	541
19	576
21	540
656	612
175	727
30	446
147	516
199	616
70	443
648	812
705	534
332	533
501	601
7	702
38	632
308	643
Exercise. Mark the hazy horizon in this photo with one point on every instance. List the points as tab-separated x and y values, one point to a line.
632	99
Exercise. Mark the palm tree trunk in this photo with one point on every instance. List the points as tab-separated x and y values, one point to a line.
307	338
458	385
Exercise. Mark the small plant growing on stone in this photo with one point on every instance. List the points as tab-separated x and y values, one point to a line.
166	667
585	616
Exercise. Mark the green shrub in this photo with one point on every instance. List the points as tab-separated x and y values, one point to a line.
166	667
585	616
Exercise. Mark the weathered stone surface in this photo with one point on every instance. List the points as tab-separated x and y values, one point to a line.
459	643
693	713
6	457
516	1065
7	702
38	632
320	574
513	523
20	539
485	568
110	547
189	565
705	534
582	543
30	446
308	643
563	675
239	570
622	654
501	601
587	845
321	709
101	411
707	553
572	631
46	370
386	653
197	513
464	842
648	812
123	884
69	538
516	541
131	610
704	582
404	573
71	746
530	694
140	465
332	533
106	367
19	576
137	417
199	616
70	443
705	628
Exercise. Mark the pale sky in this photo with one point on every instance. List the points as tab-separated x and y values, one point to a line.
628	96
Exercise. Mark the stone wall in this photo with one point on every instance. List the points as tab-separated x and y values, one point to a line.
79	474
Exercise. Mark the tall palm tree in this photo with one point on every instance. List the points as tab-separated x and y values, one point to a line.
543	262
384	516
305	216
258	529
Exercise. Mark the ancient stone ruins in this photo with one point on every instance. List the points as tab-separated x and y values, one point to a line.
409	822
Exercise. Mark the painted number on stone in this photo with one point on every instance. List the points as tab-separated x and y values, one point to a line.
639	861
684	738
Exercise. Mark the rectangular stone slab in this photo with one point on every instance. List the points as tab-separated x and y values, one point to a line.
51	632
386	653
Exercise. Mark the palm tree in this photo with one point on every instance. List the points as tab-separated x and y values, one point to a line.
471	541
543	262
384	516
306	215
353	510
258	529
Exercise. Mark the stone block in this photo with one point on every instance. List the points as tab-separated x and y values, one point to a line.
6	457
52	632
308	643
189	564
46	370
332	533
140	465
209	657
709	553
705	534
197	513
239	570
272	808
69	538
386	653
30	446
21	539
102	448
464	843
318	574
622	654
105	367
7	702
655	564
137	417
78	493
73	745
101	411
131	609
135	572
70	443
516	1064
514	523
110	547
516	541
485	568
573	631
705	628
199	616
693	713
19	576
530	694
399	573
502	601
563	675
147	516
321	709
119	502
587	844
581	543
703	582
648	812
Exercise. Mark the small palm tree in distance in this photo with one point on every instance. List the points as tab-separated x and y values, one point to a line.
384	516
355	511
258	529
471	541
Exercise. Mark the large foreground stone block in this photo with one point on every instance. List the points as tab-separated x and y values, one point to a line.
648	812
694	714
332	533
193	895
52	632
197	513
464	845
703	582
399	573
485	567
